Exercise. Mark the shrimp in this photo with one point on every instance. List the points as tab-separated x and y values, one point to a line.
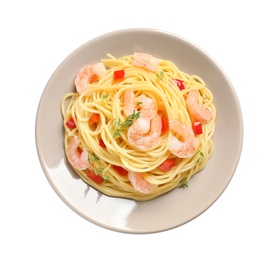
144	134
196	110
188	144
139	183
129	99
146	61
87	75
77	160
147	105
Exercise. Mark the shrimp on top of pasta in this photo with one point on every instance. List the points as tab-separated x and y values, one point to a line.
137	126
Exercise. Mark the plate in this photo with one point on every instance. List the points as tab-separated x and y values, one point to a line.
169	210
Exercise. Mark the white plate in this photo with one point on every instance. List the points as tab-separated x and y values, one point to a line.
176	207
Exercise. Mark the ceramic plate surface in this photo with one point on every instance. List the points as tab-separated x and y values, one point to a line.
176	207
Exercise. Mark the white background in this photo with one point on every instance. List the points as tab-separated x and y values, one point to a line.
37	36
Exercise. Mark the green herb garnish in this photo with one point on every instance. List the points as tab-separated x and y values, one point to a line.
127	123
104	97
129	120
117	130
92	157
184	183
160	75
98	170
105	177
200	155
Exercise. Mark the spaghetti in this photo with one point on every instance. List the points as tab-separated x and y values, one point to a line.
138	127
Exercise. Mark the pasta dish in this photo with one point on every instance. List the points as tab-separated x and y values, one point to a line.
137	126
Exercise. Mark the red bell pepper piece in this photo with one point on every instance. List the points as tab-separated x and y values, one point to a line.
101	143
164	123
120	170
94	118
167	165
119	74
197	128
180	83
70	123
95	177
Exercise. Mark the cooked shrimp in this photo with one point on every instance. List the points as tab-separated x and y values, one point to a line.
186	147
146	61
139	183
147	107
77	160
196	110
87	75
144	134
129	99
